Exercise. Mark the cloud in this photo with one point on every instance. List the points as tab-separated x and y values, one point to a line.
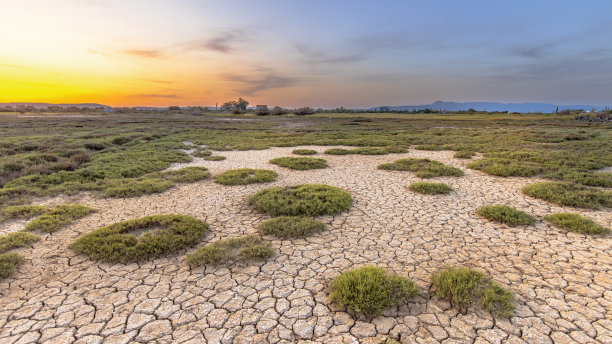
165	82
146	53
313	56
223	42
153	95
264	80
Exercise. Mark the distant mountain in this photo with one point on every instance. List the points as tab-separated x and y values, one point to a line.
46	105
492	106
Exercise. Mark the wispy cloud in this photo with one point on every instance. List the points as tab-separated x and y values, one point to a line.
153	95
314	56
146	53
260	81
157	81
225	41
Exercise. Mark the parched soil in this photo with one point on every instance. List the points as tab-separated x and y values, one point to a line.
562	281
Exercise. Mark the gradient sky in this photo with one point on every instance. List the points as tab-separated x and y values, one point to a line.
305	53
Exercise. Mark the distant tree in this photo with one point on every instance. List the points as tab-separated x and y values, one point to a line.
428	110
174	108
277	111
303	111
262	112
557	110
235	106
471	110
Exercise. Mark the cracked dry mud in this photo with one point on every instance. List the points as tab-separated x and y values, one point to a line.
562	281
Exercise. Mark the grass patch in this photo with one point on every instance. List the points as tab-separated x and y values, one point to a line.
464	154
304	151
9	263
576	223
463	287
57	217
424	168
243	176
506	214
366	151
301	200
214	158
291	226
427	188
301	163
231	250
506	168
22	211
133	187
369	290
120	242
572	195
337	151
201	153
184	175
15	240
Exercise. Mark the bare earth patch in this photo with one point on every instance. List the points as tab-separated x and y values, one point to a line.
561	280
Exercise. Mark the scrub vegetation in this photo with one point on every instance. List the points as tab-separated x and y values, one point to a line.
291	226
304	151
231	250
424	168
505	214
243	176
427	188
301	163
58	217
15	240
366	151
572	195
576	223
301	200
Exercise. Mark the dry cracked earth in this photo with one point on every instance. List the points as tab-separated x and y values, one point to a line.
562	281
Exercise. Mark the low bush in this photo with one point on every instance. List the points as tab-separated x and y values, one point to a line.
291	226
214	158
576	223
427	188
243	176
9	263
201	153
572	195
301	200
464	154
184	175
121	242
15	240
304	151
463	287
506	168
133	187
424	168
301	163
57	217
337	151
22	211
506	214
366	151
230	250
369	290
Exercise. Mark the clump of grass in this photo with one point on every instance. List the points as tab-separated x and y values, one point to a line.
463	287
242	248
120	242
214	158
201	153
424	168
133	187
337	151
301	163
506	214
22	211
15	240
369	290
506	168
185	175
427	188
58	217
291	226
304	151
465	154
576	223
9	263
366	151
570	194
301	200
243	176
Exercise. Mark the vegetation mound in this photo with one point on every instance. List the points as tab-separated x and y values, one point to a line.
304	151
15	240
57	217
291	226
464	154
242	248
570	194
300	163
506	214
369	290
121	242
366	151
576	223
424	168
243	176
22	211
462	287
427	188
214	158
201	153
301	200
184	175
506	168
8	263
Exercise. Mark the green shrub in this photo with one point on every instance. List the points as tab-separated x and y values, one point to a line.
120	242
301	200
184	175
57	217
243	176
242	248
15	240
427	188
506	214
304	151
463	287
366	151
369	290
201	153
214	158
9	263
337	151
570	194
464	154
133	187
22	211
291	226
576	223
424	168
301	163
506	168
